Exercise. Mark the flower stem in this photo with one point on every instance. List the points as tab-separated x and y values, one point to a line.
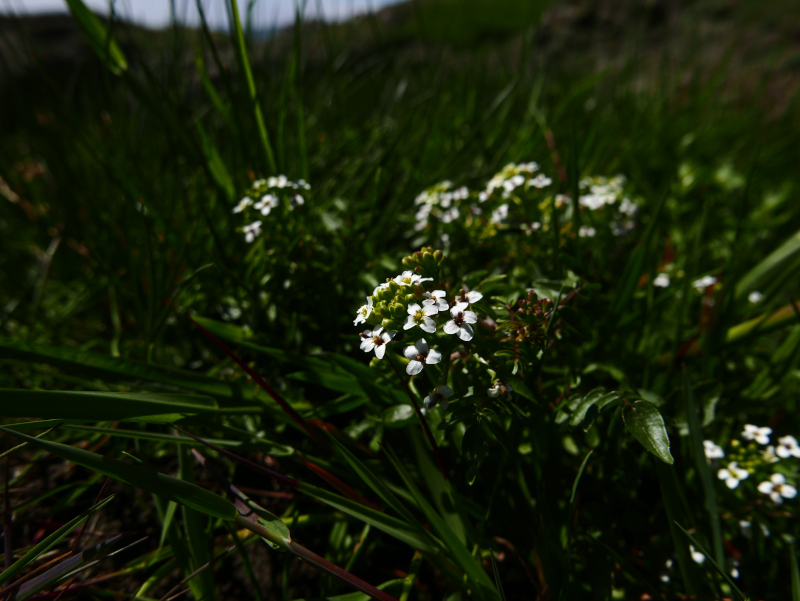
421	417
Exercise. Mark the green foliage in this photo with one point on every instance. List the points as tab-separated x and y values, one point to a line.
628	237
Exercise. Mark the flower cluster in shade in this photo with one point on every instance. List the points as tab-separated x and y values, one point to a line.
756	455
266	197
505	201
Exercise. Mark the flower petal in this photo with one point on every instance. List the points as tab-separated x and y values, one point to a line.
766	487
421	346
450	327
410	323
410	352
474	296
428	325
433	357
465	332
413	308
731	483
470	317
778	479
388	335
380	351
788	491
413	368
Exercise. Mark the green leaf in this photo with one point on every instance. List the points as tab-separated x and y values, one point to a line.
99	38
168	487
647	426
99	406
795	577
45	544
399	414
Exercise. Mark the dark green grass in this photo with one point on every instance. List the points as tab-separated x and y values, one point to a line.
106	250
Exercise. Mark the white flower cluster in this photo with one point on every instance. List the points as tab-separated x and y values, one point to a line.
264	196
734	473
439	201
513	176
598	192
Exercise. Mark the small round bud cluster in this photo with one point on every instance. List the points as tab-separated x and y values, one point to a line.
533	305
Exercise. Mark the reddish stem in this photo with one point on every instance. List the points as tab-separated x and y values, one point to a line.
290	411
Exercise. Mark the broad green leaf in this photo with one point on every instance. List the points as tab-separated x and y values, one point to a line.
647	426
99	38
398	415
99	406
168	487
45	544
776	264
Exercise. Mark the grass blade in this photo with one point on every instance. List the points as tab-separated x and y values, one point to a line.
722	572
171	488
99	38
49	541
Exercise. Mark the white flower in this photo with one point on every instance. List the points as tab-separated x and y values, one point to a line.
712	450
259	182
278	182
483	196
364	312
450	215
499	214
760	435
500	390
529	167
592	202
461	193
541	181
436	298
696	555
468	298
438	395
562	200
704	282
661	281
755	297
419	354
627	207
733	475
380	287
769	456
747	530
298	200
301	183
376	340
409	278
787	447
418	316
475	210
777	489
587	232
243	204
266	204
462	317
252	231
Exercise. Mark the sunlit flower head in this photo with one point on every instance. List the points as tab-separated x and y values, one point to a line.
760	435
587	232
376	340
252	231
266	204
243	204
500	390
420	316
713	450
438	298
364	312
777	489
755	297
460	322
704	282
787	447
733	474
661	280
